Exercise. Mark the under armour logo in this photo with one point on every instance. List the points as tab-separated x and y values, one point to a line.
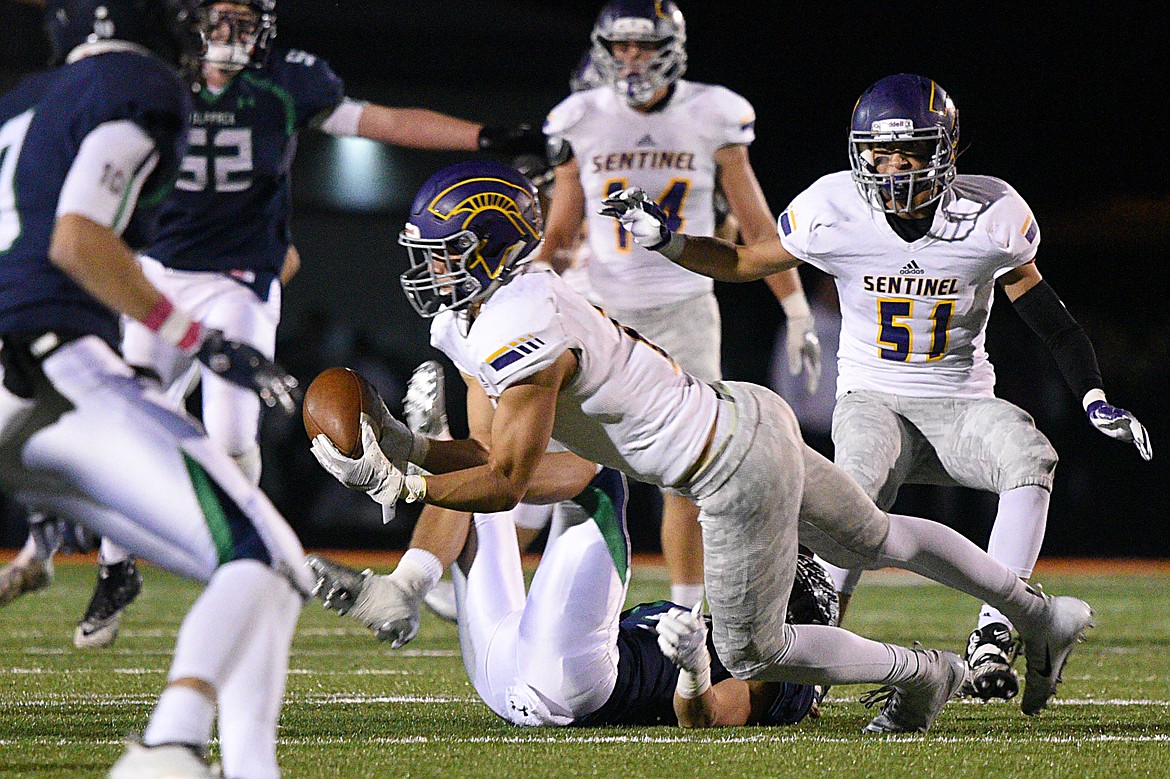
647	140
522	709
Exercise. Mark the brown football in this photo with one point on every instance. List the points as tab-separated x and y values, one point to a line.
334	403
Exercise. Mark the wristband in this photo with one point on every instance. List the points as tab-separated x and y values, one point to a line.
1091	397
414	488
173	325
692	685
673	248
795	306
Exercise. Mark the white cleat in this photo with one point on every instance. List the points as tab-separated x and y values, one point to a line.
911	706
425	404
165	761
1047	649
17	579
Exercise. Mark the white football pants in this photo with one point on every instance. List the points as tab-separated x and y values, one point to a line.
552	657
231	414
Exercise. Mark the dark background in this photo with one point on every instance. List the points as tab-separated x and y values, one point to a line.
1069	108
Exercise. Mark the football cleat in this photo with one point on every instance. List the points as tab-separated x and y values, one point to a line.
441	600
118	585
1046	650
164	761
990	653
425	403
910	707
17	579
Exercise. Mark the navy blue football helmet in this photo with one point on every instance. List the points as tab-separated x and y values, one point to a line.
901	110
472	228
650	21
234	39
163	26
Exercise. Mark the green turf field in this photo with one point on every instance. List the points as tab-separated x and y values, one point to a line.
357	709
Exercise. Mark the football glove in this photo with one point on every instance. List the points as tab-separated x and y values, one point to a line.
245	366
387	605
682	637
804	351
372	472
1120	424
641	217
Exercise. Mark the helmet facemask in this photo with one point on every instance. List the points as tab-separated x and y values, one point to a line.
235	38
661	26
895	192
451	273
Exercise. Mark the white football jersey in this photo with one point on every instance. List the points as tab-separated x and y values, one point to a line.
629	406
669	152
913	315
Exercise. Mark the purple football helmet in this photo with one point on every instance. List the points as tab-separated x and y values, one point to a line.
651	21
904	109
247	40
163	26
472	228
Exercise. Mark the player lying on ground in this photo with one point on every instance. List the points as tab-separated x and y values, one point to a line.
549	365
567	655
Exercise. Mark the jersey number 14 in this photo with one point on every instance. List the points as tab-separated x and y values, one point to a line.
670	201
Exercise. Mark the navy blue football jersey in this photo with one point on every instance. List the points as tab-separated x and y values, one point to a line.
644	692
42	125
232	202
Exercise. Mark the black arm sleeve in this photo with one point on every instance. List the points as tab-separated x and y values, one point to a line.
1046	314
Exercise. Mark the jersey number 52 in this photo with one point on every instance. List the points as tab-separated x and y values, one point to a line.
222	156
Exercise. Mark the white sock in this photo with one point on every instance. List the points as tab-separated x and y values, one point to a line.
110	553
250	700
819	654
1016	537
181	716
214	636
687	595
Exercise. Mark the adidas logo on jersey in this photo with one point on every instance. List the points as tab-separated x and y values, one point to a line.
911	269
647	140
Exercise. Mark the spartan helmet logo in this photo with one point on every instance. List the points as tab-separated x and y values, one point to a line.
472	225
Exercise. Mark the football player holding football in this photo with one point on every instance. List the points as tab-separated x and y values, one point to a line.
646	126
85	149
916	251
547	364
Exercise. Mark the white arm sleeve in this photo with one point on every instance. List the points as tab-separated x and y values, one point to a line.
343	120
107	175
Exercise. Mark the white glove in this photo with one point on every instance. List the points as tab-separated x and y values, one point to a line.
372	473
1117	423
682	637
804	351
644	220
801	344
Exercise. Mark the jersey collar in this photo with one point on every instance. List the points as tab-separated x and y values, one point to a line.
104	47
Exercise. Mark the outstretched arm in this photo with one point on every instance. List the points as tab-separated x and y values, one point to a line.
1039	305
422	128
714	257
